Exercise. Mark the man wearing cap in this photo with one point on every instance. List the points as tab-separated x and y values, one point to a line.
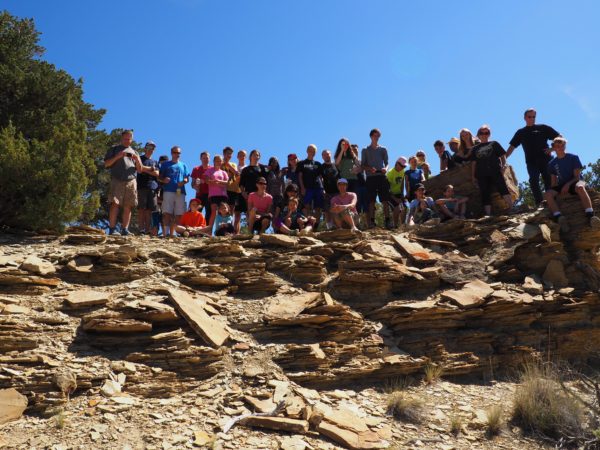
374	160
174	175
259	207
147	187
343	207
124	164
534	138
395	177
446	161
420	210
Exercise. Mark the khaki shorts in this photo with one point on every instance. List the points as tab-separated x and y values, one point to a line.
123	193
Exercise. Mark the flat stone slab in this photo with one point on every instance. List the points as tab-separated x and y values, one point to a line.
472	294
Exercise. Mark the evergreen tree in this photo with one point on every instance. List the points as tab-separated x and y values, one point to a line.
48	136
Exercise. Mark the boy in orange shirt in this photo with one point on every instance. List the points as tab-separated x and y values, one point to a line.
192	223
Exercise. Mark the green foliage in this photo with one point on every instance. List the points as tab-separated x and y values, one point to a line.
526	195
591	175
49	136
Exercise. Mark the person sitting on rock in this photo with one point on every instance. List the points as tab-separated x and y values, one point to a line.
446	161
259	208
291	191
192	222
223	221
294	221
420	210
451	206
565	173
343	207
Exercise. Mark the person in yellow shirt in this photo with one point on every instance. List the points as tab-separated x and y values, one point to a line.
395	178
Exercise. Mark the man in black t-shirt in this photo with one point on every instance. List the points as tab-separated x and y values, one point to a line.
311	183
249	177
330	175
147	188
534	139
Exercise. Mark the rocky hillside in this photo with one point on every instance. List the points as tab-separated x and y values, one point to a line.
287	342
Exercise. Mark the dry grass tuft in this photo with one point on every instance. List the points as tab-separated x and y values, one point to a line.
541	407
456	424
494	420
405	408
433	372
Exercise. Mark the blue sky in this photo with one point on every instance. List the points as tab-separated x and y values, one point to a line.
277	75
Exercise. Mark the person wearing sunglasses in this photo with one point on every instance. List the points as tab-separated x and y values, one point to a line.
395	177
487	169
174	175
534	139
259	208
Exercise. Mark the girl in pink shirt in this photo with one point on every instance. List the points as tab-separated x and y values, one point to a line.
216	178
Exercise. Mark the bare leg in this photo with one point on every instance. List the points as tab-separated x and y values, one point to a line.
586	202
237	222
174	222
264	224
167	218
338	221
445	211
213	216
126	216
551	201
142	219
251	217
349	221
113	214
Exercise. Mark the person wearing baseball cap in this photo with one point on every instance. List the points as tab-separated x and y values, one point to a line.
259	208
289	172
395	177
147	189
421	209
343	207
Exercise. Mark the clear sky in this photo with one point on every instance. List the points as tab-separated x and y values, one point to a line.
277	75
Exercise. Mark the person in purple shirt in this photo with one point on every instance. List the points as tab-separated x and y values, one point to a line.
565	178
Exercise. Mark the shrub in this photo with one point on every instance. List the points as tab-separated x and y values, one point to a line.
405	408
541	406
494	420
433	372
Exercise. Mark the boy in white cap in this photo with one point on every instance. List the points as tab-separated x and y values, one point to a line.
343	207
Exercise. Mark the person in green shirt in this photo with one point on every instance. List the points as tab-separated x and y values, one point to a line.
395	177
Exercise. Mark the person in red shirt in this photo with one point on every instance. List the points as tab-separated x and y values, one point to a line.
259	208
192	223
199	181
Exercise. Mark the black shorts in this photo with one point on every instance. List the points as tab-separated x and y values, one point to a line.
396	200
559	188
258	222
219	199
487	182
232	198
242	204
147	199
378	185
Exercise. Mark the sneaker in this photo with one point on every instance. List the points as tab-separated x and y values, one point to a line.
113	232
186	234
595	222
125	232
564	225
356	231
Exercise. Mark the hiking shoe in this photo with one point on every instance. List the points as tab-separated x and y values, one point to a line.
564	225
113	232
125	232
595	222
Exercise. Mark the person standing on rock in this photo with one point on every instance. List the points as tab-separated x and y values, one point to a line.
233	185
395	177
534	138
199	182
330	175
124	164
174	175
446	161
374	160
290	173
565	178
487	169
147	184
310	178
217	179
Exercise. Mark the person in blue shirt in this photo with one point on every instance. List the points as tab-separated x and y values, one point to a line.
565	178
413	177
174	175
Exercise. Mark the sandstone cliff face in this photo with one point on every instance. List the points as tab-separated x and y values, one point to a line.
334	309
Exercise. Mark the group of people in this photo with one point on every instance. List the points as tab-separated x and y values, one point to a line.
338	192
